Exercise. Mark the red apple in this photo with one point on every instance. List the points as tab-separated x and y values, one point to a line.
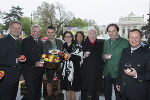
1	74
22	57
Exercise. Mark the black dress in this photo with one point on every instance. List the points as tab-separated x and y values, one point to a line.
71	68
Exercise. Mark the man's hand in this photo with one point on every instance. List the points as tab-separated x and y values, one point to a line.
20	60
86	54
107	56
118	88
39	64
131	72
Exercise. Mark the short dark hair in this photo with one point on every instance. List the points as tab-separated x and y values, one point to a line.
133	30
79	32
66	33
51	27
15	21
115	25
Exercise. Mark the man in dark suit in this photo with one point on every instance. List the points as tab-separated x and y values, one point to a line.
32	70
10	62
148	47
134	69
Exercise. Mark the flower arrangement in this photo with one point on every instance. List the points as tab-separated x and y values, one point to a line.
53	59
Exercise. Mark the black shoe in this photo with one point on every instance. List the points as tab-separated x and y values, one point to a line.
60	94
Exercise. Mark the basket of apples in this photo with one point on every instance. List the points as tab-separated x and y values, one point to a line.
1	74
53	59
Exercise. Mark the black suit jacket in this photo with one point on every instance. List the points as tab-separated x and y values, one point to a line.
92	66
8	51
31	50
139	60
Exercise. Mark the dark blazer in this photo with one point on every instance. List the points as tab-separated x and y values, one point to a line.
31	50
32	75
92	66
8	51
139	60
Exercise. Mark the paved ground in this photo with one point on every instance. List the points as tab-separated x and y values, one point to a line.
19	97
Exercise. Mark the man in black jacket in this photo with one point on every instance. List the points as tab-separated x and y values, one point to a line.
10	63
92	67
134	69
33	71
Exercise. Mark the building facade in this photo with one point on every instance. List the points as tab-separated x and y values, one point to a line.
126	24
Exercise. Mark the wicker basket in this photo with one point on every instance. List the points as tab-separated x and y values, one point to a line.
51	65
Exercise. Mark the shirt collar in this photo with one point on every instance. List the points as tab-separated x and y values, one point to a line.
115	38
13	36
36	39
135	48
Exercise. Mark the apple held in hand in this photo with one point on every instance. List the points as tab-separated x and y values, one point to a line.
22	57
66	56
1	74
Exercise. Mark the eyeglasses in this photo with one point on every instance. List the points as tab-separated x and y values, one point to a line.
112	31
68	36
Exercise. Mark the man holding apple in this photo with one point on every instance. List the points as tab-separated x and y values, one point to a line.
10	62
33	68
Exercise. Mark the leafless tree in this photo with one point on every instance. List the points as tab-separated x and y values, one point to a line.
50	14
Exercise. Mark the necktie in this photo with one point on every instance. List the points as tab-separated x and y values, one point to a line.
112	41
36	40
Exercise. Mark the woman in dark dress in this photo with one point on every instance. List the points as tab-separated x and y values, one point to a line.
92	67
79	38
71	66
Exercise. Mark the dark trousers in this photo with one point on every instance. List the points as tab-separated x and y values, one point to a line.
94	95
108	82
9	83
127	95
149	92
33	80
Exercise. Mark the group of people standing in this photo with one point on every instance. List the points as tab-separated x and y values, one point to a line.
126	64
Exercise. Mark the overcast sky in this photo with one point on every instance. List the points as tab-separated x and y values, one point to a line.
102	11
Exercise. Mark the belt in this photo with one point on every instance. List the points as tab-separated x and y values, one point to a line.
9	66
